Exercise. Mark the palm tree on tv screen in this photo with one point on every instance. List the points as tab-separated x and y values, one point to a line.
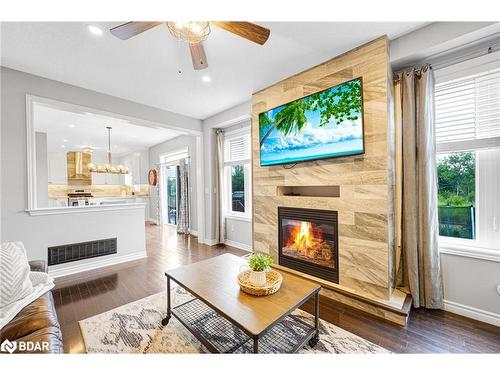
340	103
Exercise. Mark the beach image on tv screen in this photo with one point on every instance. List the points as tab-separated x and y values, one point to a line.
323	125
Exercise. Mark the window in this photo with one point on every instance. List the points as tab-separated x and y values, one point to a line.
237	173
467	105
457	194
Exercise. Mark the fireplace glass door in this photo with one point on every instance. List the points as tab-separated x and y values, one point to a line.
308	241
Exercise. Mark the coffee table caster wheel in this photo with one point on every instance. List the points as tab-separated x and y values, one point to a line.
314	341
165	321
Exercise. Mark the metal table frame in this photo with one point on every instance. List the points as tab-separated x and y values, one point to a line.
312	336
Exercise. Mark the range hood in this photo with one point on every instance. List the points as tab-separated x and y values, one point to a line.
78	172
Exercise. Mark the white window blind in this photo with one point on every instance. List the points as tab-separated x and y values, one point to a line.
237	149
468	110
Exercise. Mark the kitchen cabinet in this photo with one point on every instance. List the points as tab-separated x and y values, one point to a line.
137	164
98	178
112	179
106	179
57	168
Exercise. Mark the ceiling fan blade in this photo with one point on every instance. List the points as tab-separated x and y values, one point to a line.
247	30
130	29
198	56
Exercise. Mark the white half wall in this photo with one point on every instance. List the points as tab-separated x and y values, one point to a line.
40	232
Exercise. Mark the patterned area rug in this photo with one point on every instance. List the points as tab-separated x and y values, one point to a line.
136	328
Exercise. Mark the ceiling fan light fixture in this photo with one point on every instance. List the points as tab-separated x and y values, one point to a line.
191	31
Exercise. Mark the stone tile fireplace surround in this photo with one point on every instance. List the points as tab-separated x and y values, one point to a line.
359	188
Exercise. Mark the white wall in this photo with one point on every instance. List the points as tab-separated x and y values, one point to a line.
233	118
42	169
39	232
470	287
209	182
239	233
436	38
172	145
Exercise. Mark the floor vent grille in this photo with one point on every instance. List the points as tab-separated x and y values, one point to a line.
82	250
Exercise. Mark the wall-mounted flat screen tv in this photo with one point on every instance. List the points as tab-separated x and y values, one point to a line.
326	124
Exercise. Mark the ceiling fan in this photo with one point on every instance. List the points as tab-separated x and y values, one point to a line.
194	33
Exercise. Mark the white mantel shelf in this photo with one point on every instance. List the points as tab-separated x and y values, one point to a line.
84	209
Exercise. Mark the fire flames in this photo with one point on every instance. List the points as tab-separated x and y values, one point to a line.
308	242
302	237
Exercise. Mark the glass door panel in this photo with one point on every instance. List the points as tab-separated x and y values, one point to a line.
172	195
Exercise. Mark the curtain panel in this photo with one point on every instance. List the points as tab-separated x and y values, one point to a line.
183	211
416	220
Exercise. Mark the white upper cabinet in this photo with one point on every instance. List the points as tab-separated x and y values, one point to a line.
98	178
137	163
57	169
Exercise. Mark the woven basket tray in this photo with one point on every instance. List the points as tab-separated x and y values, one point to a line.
272	285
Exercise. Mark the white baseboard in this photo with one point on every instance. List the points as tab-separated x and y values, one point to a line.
193	232
79	266
238	245
153	220
209	242
472	312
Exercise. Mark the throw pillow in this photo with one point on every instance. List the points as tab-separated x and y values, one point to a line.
15	282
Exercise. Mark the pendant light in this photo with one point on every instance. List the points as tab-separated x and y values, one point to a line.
108	167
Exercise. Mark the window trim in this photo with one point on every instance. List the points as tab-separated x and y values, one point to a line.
470	251
472	248
247	172
244	132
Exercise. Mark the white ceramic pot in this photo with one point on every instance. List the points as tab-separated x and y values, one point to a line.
258	278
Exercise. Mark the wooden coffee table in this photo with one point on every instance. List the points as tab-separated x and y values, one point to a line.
258	323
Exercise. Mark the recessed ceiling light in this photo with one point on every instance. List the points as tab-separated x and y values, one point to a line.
65	140
63	146
95	30
206	79
71	126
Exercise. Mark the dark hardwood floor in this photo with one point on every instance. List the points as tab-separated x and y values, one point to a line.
90	293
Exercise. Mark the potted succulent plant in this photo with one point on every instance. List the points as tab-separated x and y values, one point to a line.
259	265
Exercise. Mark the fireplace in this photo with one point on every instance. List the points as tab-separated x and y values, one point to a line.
308	241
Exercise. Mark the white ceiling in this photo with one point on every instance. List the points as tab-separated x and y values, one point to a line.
71	131
144	69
